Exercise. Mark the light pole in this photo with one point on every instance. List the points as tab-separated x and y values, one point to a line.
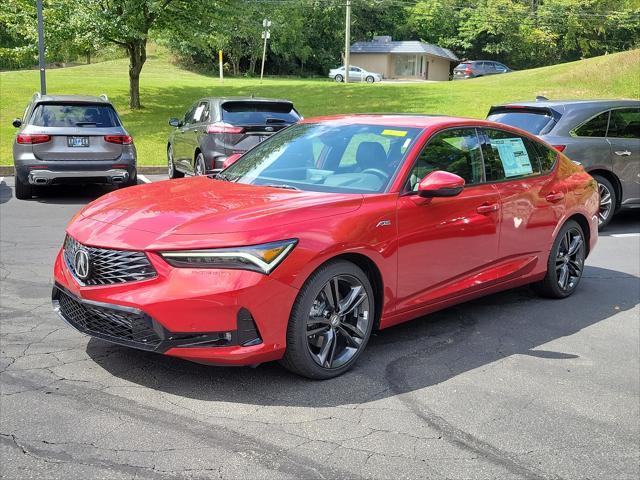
43	80
266	34
347	42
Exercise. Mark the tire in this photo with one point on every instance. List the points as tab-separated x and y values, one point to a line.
200	167
608	201
562	266
339	78
24	191
370	79
133	180
173	173
339	339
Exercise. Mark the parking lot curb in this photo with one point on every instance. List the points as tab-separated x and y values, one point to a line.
7	170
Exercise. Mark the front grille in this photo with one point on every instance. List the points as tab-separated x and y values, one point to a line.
109	266
132	327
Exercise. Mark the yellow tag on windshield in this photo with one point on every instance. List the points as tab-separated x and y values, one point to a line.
395	133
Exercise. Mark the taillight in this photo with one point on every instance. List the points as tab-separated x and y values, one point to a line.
119	139
231	159
560	148
467	70
222	127
32	139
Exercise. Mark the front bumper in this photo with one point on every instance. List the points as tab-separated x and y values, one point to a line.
206	316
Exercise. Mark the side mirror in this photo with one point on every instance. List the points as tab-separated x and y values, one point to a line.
17	123
440	184
174	122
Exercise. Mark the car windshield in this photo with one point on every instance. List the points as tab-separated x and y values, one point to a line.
326	158
258	113
74	115
532	122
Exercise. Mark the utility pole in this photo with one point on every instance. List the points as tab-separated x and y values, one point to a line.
43	80
266	34
347	42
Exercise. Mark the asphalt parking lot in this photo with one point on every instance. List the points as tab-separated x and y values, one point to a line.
509	386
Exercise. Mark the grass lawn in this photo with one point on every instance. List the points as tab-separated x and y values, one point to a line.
167	91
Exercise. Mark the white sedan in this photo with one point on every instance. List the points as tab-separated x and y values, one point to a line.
356	74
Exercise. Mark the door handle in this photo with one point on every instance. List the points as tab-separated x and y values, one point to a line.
487	208
554	197
623	153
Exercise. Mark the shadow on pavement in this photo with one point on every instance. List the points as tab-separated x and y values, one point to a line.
626	221
409	357
6	193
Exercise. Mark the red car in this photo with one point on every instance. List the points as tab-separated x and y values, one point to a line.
329	229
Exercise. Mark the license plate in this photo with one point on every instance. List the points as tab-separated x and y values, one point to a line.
78	141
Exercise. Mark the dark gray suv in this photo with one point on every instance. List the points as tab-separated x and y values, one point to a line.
214	129
478	68
602	135
71	139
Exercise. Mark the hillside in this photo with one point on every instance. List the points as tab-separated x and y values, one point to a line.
167	91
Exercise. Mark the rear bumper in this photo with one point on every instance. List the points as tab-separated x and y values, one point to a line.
46	177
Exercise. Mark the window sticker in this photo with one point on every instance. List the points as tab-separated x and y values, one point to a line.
513	155
395	133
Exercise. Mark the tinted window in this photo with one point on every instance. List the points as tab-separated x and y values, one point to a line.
201	113
463	66
596	127
258	113
547	157
624	123
326	158
528	120
507	156
188	117
74	115
455	151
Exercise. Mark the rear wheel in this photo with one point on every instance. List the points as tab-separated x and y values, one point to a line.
331	322
565	264
24	191
133	180
338	78
200	167
173	173
607	201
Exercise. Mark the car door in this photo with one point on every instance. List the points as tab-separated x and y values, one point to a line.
355	74
446	245
623	137
195	129
180	145
531	199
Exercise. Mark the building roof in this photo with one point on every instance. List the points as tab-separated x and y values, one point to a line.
386	45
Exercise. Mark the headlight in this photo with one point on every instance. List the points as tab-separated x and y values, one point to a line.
258	258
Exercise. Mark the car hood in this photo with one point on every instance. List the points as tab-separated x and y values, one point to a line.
202	206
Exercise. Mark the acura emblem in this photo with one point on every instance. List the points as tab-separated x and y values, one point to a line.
82	264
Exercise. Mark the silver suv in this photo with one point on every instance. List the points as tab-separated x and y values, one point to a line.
71	139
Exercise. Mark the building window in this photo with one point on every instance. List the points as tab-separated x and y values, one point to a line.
406	65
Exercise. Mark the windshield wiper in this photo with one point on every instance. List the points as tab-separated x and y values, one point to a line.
84	124
281	185
275	120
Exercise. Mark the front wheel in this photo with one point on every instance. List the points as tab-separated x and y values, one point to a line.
173	173
331	322
370	79
565	264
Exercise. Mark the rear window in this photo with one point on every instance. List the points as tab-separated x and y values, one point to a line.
258	113
74	115
463	66
534	122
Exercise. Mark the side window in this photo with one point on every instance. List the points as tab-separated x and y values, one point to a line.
188	117
509	156
455	151
624	123
201	113
596	127
547	157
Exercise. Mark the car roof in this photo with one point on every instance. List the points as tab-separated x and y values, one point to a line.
246	99
575	103
71	99
399	120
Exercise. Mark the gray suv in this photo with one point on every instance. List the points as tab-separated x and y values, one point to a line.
602	135
71	139
478	68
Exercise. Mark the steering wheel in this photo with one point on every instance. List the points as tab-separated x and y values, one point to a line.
377	172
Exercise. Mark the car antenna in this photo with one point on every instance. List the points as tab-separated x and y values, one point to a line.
540	98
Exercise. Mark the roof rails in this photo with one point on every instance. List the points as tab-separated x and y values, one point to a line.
36	96
104	97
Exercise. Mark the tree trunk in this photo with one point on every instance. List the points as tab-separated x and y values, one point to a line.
88	58
137	56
